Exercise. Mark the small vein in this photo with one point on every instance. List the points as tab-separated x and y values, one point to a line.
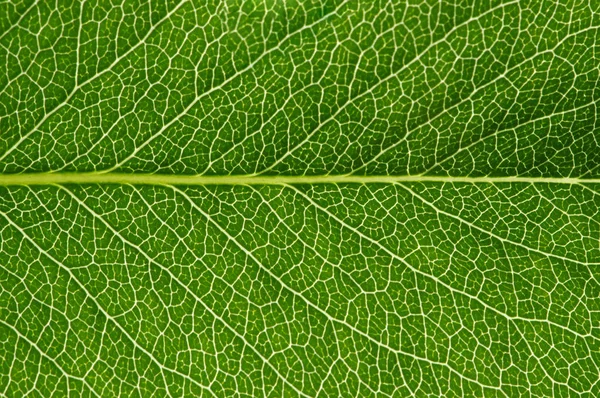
106	314
493	235
511	319
216	88
387	78
47	357
78	86
185	287
251	255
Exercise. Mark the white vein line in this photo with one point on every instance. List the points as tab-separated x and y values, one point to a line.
97	75
498	132
78	48
165	224
33	297
182	179
49	358
281	109
309	247
384	80
595	193
491	234
100	308
18	22
452	289
326	260
432	277
218	87
318	309
186	288
469	97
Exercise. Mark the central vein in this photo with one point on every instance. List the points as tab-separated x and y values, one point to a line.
172	179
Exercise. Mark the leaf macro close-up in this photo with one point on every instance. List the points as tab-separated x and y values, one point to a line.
299	198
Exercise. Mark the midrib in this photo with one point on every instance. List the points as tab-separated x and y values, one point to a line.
171	179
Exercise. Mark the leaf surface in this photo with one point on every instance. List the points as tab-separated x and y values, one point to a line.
315	198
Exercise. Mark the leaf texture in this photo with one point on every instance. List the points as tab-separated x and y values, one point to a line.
207	198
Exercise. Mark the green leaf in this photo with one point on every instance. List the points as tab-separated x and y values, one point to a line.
300	198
